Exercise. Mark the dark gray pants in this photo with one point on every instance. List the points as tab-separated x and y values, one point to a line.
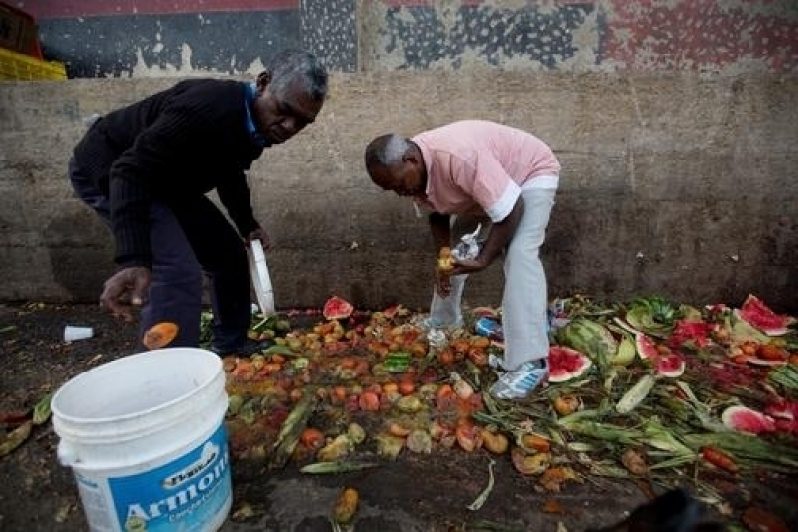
187	239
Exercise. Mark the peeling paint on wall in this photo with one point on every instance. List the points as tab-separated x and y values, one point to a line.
426	36
702	35
98	38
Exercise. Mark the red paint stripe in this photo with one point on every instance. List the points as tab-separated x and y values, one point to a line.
474	3
697	34
44	9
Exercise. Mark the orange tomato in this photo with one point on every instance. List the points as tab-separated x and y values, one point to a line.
339	393
480	342
278	359
749	348
538	443
271	368
468	437
460	345
418	349
369	401
160	335
348	363
313	438
444	391
478	356
406	387
390	387
446	357
772	352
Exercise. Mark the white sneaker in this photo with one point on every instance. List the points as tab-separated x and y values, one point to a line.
521	382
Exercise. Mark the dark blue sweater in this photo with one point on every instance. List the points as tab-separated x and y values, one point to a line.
179	143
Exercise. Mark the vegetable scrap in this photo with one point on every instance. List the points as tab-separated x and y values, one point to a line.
670	393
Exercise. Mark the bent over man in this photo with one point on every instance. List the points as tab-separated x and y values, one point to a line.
483	169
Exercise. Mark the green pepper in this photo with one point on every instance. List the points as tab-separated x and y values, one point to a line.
397	362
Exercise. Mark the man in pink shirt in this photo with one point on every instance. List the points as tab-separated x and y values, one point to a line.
475	169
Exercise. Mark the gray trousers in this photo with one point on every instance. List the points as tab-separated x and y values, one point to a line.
524	302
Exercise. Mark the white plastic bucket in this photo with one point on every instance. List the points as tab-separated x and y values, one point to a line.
261	282
145	438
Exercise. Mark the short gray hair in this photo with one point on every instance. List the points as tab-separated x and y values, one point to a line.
296	65
387	150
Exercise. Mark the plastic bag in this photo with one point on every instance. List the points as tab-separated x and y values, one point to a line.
468	247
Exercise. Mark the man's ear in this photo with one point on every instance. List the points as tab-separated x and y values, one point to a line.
263	79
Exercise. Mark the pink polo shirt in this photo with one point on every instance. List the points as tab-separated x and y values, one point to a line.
478	166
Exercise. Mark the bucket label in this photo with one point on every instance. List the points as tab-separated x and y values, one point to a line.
185	494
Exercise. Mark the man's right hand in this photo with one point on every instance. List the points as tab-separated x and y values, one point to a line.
124	290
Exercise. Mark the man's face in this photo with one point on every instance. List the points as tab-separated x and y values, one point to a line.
281	116
406	178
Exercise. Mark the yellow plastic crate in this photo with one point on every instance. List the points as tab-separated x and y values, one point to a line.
14	66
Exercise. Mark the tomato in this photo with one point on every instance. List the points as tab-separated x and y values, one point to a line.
446	357
369	401
313	438
406	387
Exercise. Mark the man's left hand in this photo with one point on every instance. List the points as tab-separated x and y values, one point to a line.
259	233
469	266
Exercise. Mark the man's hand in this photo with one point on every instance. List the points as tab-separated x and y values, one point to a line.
469	266
124	290
259	234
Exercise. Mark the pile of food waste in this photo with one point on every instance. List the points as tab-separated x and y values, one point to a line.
649	389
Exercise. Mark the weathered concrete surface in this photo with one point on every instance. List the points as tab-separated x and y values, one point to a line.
678	184
100	38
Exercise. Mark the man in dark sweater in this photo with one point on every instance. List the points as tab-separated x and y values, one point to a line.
145	169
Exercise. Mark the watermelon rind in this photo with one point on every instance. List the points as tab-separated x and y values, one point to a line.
626	353
625	326
635	395
590	338
733	416
754	361
568	375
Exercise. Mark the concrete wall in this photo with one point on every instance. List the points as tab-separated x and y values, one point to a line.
677	184
675	122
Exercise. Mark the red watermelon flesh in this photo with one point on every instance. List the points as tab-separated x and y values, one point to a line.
744	419
757	314
566	363
670	365
695	332
783	409
645	347
337	308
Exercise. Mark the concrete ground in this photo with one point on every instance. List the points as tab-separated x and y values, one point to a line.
413	493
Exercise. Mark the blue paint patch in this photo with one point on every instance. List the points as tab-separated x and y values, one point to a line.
495	34
220	42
